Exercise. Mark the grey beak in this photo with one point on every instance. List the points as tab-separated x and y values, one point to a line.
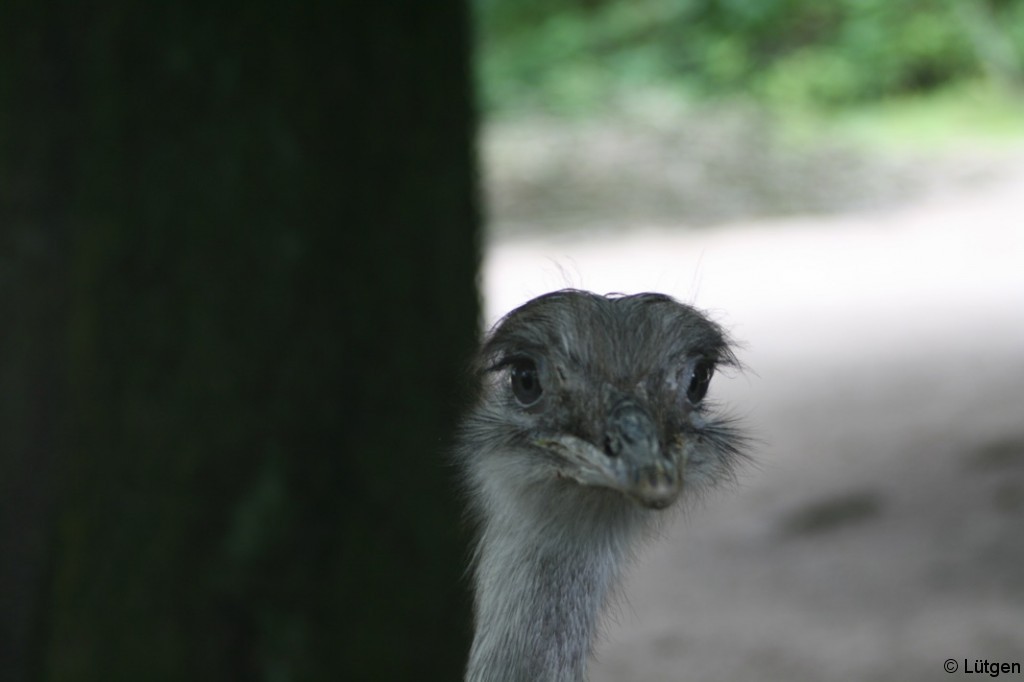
629	460
644	473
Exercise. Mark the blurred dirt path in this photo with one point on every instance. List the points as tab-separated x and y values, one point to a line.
881	530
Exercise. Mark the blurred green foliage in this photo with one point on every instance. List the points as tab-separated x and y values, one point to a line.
573	55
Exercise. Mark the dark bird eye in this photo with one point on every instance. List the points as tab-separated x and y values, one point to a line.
700	378
525	381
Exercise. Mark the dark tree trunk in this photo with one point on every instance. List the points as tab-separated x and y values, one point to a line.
237	264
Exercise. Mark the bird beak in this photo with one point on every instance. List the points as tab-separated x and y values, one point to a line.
630	459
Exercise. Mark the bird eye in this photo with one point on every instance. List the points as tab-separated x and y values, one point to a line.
525	381
700	378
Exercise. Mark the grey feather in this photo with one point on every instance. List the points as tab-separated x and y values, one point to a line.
590	421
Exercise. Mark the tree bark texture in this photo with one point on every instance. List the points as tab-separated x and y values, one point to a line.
238	249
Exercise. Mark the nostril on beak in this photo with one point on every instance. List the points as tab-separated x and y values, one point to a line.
633	427
630	433
630	427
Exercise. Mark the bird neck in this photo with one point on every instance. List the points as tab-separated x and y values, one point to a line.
542	578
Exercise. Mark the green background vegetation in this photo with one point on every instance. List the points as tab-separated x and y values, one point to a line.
579	57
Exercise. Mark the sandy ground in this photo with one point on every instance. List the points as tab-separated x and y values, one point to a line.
880	531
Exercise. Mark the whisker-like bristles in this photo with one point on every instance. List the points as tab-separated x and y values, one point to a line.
590	422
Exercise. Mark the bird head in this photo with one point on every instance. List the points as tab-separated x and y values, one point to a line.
607	392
